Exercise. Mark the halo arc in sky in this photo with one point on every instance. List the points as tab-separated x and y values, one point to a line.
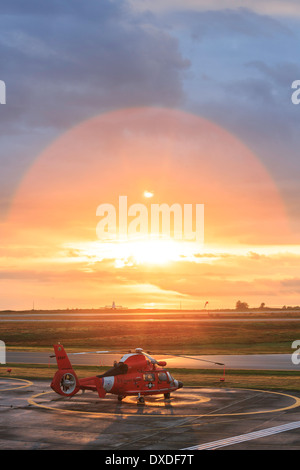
183	158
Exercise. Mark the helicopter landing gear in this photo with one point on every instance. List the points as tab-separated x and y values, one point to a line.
141	400
167	396
120	397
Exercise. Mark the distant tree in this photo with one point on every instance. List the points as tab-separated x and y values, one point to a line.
241	305
262	305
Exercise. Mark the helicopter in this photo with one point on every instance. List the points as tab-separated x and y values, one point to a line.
136	374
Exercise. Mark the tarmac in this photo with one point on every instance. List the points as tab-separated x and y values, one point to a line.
238	361
32	416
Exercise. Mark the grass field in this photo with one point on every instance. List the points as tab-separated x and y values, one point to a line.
270	380
205	337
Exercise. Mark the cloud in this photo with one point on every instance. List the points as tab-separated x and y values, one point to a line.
255	276
231	23
67	62
77	62
281	73
288	8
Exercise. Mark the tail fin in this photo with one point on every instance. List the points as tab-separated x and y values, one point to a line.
62	359
65	381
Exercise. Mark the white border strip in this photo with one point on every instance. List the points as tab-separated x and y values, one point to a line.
245	437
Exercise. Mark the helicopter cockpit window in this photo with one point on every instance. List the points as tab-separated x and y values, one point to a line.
162	377
149	377
170	377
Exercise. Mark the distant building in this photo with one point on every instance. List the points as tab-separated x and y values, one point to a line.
113	306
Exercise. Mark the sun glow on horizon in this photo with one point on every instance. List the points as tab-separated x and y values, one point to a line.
136	252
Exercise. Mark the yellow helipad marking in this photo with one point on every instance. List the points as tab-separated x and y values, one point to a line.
161	402
295	404
28	383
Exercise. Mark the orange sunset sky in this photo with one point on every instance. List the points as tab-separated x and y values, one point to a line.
189	102
52	253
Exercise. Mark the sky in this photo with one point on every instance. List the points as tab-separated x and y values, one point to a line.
189	102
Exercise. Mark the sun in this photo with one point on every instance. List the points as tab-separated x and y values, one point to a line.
148	194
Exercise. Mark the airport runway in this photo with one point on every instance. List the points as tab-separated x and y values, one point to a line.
34	417
106	318
250	362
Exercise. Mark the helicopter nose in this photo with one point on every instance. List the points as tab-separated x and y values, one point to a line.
180	384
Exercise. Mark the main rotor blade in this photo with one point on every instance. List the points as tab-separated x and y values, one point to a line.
192	357
93	352
103	352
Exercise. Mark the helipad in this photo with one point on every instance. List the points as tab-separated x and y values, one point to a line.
34	417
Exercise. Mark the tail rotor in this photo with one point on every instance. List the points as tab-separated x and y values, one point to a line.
65	381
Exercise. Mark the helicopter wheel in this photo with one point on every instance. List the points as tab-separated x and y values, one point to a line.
167	396
141	400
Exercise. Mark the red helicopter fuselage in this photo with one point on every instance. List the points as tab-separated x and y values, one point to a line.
135	374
